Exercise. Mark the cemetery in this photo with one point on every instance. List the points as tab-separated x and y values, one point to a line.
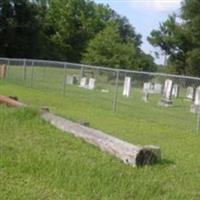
99	100
156	112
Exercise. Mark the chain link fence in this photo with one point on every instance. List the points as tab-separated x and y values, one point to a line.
144	96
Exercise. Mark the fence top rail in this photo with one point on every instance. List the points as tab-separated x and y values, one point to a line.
102	68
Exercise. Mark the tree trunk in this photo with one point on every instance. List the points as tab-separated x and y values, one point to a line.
128	153
10	102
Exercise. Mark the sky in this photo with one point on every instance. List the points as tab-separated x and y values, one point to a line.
145	15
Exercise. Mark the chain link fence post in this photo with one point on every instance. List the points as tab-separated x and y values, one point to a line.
116	91
24	67
82	72
64	81
8	70
44	73
198	122
32	73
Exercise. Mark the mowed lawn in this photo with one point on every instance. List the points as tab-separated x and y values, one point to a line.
39	162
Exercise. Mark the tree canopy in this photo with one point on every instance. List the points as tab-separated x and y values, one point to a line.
109	49
179	37
71	30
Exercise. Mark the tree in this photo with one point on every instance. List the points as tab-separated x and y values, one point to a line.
73	23
108	49
68	30
20	34
180	41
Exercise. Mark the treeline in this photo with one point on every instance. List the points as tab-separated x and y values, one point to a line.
83	31
179	38
70	30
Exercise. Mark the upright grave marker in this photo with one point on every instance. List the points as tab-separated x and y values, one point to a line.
190	93
196	105
91	84
127	86
71	79
145	92
147	86
167	93
83	82
157	88
175	90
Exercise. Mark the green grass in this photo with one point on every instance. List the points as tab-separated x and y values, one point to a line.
40	162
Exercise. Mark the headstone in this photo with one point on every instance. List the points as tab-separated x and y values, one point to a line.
196	106
145	96
83	82
175	90
167	93
91	84
157	88
147	88
127	86
190	93
71	80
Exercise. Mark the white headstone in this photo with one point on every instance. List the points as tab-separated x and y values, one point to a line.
83	82
175	90
127	86
91	84
196	106
190	93
145	96
157	88
197	96
70	80
147	87
167	93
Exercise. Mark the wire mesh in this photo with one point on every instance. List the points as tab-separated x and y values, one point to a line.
135	93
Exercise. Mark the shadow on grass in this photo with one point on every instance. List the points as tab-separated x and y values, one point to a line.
165	162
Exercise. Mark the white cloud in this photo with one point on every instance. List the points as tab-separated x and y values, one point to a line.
155	5
152	5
